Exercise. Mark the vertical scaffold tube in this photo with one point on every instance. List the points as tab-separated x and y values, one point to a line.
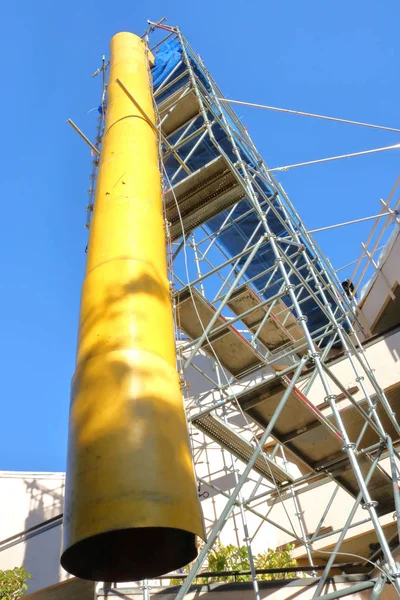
131	505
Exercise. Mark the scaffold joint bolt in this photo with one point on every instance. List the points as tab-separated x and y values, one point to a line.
348	446
330	397
395	574
371	504
302	318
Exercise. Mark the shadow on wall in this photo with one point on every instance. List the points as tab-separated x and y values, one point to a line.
43	545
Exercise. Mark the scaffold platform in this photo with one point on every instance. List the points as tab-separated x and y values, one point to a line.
312	438
200	196
279	330
228	439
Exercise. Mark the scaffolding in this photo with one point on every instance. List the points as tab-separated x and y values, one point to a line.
261	324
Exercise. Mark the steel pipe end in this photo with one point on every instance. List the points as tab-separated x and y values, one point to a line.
130	554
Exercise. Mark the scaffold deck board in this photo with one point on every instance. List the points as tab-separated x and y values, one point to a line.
201	196
360	544
182	105
300	426
233	350
380	486
234	443
310	436
354	421
280	329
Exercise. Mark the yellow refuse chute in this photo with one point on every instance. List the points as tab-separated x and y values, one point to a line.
131	505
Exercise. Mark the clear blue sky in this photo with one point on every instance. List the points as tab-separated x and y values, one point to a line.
336	58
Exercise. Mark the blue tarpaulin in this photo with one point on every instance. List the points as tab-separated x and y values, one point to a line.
168	56
169	63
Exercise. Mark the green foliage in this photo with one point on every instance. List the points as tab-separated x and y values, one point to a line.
228	558
232	558
13	583
276	559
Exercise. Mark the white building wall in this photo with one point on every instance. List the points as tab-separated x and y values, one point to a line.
28	499
376	292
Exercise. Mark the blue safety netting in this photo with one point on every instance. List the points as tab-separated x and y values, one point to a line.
168	66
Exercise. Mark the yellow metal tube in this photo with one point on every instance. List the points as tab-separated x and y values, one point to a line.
131	506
